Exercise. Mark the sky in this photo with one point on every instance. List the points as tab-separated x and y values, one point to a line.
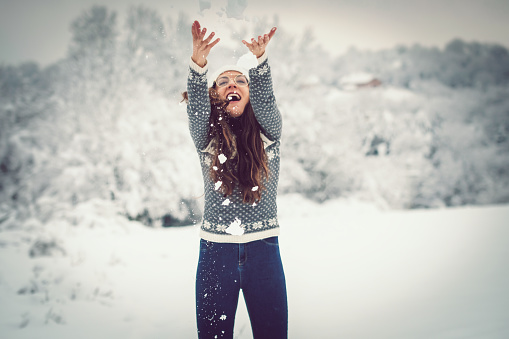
38	30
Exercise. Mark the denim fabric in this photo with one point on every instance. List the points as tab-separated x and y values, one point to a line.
256	268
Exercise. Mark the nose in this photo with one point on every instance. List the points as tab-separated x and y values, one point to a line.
232	83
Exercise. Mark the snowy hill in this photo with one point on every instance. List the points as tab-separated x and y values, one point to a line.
352	271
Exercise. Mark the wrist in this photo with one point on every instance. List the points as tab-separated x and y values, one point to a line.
197	68
262	58
198	61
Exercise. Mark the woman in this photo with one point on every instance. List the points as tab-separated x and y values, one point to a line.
236	128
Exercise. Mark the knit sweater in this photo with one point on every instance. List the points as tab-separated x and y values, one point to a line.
228	219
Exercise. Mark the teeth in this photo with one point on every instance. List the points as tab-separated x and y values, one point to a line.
233	96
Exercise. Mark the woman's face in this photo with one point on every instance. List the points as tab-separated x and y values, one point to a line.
238	96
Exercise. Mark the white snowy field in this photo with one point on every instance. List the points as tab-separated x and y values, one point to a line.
352	271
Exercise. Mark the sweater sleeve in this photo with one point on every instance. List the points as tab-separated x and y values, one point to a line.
263	101
198	108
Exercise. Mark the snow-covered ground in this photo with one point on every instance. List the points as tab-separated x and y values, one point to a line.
352	271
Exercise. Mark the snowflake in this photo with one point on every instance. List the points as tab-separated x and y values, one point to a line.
207	161
273	222
221	228
258	225
223	317
271	154
264	69
206	224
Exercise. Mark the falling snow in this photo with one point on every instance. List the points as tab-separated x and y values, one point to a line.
222	158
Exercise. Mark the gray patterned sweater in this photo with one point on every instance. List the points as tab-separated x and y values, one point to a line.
228	219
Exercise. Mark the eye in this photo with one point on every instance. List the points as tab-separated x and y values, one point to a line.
241	80
222	81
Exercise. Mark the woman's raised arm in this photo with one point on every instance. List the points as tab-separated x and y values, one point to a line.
260	89
201	46
198	108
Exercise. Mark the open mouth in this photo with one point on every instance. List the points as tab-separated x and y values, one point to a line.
233	97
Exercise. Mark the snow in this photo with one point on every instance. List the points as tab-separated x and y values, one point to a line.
233	9
352	271
235	227
81	155
222	158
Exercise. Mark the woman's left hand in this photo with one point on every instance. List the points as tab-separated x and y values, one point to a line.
257	47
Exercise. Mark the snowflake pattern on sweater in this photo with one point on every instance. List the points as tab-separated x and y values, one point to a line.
222	214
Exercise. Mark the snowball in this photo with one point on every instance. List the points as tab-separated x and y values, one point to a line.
222	158
214	168
234	228
254	189
235	8
204	4
226	202
217	185
223	317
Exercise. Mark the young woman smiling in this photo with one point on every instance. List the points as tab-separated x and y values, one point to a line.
236	128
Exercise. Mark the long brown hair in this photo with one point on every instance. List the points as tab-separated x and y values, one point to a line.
239	152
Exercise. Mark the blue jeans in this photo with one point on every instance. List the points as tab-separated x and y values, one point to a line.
254	267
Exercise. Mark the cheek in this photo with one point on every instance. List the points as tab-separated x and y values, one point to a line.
221	92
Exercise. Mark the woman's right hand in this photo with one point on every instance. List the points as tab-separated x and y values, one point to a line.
201	47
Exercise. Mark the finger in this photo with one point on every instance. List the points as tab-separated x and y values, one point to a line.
202	33
272	32
197	27
209	38
213	43
248	45
194	29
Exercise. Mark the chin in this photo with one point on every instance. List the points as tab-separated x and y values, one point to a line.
235	113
